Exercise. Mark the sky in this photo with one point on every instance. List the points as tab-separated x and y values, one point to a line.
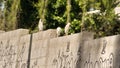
2	6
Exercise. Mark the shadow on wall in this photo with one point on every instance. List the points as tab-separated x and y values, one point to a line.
117	52
79	57
82	38
29	52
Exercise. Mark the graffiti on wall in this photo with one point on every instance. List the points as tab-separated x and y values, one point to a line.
21	52
7	54
100	63
104	47
35	64
22	62
65	59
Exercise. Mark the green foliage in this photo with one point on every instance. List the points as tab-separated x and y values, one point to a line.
28	15
59	12
8	16
41	8
56	13
1	15
104	23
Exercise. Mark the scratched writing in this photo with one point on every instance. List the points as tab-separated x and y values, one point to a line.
100	63
35	64
65	59
7	54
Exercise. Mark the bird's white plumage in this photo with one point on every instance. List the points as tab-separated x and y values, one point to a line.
67	27
117	11
40	25
59	30
93	12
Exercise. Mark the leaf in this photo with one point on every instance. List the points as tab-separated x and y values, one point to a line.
91	21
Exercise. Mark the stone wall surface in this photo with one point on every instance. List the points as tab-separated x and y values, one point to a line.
101	53
13	34
63	52
39	48
9	42
18	49
48	34
2	31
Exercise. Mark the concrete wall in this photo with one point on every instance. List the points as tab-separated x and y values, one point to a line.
18	49
2	31
101	53
9	42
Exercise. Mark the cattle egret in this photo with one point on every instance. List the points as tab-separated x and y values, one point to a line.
67	27
93	12
117	11
40	25
59	31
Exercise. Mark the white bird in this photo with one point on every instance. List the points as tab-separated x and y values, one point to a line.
117	11
94	12
40	25
67	28
59	31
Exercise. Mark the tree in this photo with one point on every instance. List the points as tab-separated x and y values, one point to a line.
28	15
56	13
1	14
9	10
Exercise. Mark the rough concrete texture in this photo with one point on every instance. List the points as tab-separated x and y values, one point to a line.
14	33
23	51
8	53
39	50
100	53
18	49
44	50
1	31
48	34
14	52
38	54
9	42
63	52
